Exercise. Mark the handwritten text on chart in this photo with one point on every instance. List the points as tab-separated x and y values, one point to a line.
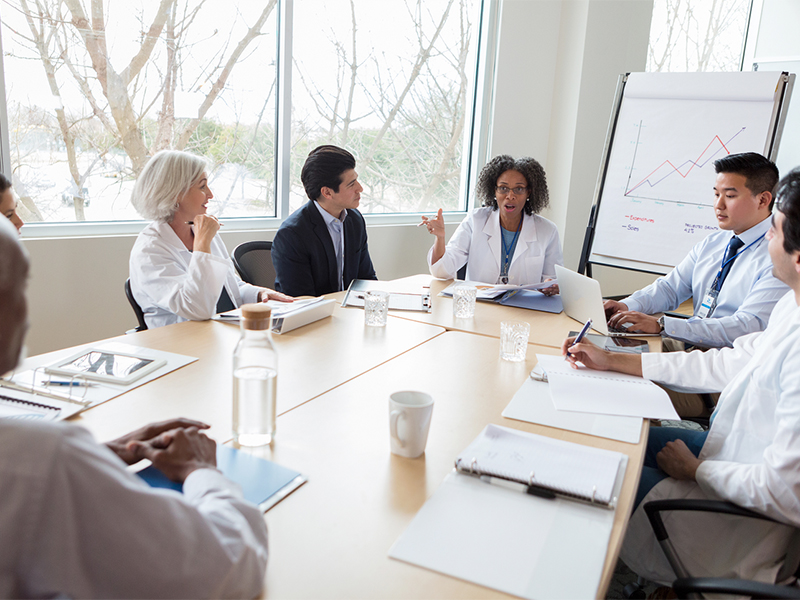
692	228
635	218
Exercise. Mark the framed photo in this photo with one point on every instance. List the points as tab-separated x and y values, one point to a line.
109	366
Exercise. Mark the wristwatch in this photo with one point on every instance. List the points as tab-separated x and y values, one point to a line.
661	323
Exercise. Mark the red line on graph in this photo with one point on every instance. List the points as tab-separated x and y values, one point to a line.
694	163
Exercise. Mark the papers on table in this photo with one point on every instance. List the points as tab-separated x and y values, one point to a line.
604	392
37	389
534	404
488	291
510	541
397	300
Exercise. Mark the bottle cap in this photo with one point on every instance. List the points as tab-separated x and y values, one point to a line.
256	316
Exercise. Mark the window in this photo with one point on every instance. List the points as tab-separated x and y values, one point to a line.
95	87
697	35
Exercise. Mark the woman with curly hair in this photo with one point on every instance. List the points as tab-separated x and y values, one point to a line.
179	267
505	241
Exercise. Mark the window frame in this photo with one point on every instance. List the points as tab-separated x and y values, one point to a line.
475	144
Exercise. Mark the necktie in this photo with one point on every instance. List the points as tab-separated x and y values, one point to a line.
224	304
337	226
733	247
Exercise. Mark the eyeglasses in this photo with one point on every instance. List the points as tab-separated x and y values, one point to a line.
502	190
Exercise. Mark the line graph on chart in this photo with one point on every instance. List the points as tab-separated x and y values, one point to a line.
673	173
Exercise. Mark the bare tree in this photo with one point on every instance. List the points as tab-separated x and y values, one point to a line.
71	36
697	36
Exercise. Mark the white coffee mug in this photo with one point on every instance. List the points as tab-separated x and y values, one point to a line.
409	421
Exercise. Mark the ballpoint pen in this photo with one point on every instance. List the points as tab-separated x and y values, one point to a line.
580	335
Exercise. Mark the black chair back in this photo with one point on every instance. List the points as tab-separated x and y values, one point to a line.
253	262
135	306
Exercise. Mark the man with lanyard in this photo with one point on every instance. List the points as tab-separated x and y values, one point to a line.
322	246
729	277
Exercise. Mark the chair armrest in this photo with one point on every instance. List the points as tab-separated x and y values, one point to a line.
655	507
740	587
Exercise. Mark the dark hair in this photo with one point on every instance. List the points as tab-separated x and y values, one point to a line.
529	168
4	183
324	167
760	173
787	200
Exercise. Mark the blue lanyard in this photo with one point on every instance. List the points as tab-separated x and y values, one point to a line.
507	249
717	284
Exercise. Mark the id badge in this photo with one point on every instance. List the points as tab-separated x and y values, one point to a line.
709	304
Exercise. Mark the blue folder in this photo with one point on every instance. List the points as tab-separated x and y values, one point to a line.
263	482
533	300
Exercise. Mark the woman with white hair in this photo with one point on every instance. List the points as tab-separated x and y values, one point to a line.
179	267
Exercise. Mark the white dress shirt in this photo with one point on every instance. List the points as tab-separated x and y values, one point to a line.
75	523
336	230
478	243
173	284
745	301
750	456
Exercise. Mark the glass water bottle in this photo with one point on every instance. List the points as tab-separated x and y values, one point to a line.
255	379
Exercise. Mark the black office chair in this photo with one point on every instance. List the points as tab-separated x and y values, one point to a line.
136	308
253	262
687	586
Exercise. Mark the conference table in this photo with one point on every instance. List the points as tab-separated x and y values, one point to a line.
330	538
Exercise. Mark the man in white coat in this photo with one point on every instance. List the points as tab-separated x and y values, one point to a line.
750	455
76	524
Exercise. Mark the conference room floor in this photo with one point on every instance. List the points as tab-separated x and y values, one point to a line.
330	538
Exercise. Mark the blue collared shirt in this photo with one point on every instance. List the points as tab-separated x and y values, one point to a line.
336	231
745	301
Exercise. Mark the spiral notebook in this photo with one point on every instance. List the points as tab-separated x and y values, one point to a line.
604	392
14	405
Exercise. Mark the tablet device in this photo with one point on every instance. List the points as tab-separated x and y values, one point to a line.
108	366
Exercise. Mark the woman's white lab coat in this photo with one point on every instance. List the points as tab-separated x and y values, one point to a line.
478	243
172	284
751	457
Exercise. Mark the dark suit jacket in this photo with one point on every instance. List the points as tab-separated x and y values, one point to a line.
304	258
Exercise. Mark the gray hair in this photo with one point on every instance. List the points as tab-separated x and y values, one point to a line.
166	178
13	260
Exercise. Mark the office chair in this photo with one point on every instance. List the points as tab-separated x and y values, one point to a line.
462	273
253	262
136	308
687	586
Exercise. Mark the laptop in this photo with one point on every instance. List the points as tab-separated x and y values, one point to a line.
582	300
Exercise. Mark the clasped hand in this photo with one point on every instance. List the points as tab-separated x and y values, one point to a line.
176	447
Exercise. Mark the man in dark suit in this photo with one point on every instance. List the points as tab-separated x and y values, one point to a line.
322	246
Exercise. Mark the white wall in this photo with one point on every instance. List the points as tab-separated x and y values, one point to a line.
558	63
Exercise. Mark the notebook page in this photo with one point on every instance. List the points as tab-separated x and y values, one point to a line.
565	467
604	392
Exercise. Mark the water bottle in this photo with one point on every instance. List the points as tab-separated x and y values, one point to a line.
255	379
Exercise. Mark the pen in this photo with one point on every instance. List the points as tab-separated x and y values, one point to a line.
192	223
532	489
69	383
580	335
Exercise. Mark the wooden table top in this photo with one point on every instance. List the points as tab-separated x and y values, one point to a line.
311	361
547	329
360	497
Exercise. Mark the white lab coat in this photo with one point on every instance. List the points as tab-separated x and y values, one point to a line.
172	284
478	242
751	457
76	524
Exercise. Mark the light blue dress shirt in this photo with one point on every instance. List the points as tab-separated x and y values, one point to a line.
745	301
336	231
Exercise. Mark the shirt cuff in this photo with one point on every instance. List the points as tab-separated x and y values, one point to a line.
201	481
632	304
651	366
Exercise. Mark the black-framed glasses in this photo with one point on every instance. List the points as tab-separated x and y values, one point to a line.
502	190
